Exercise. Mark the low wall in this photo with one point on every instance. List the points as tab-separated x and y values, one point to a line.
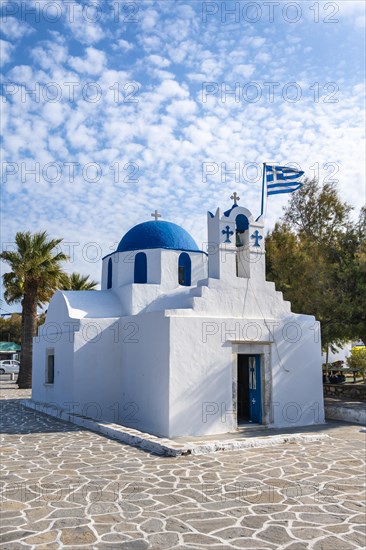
345	391
345	411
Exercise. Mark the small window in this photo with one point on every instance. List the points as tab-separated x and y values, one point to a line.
109	274
140	275
50	367
184	269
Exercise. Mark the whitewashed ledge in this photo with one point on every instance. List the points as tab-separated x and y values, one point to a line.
347	411
164	446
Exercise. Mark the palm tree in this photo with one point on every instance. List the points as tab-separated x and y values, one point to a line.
35	275
75	281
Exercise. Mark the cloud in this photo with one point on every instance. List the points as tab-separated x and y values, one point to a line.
82	25
123	45
171	88
262	57
6	49
158	60
15	29
149	19
354	11
93	63
257	41
350	12
50	54
55	113
182	109
244	70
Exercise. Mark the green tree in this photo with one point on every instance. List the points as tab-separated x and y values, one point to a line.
35	275
316	257
347	257
358	275
357	360
76	281
11	328
317	212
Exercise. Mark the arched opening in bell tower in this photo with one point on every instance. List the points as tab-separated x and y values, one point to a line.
242	225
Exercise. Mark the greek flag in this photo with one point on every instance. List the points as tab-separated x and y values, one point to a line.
281	179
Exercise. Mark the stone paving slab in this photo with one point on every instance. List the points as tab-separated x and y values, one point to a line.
178	446
65	487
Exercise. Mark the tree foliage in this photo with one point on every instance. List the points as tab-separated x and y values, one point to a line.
11	328
357	360
76	281
35	274
317	212
316	255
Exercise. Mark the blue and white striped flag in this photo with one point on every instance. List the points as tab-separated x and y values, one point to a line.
281	179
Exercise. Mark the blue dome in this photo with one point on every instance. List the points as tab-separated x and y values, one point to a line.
157	234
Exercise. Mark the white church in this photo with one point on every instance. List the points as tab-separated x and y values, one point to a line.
181	341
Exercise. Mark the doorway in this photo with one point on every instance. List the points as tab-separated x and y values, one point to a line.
249	389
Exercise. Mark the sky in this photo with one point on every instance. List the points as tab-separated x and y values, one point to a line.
113	109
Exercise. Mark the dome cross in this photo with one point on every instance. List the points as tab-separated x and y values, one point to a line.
235	197
156	215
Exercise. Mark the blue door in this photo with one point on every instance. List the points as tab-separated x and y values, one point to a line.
255	394
249	394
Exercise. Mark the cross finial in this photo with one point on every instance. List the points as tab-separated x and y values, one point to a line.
235	197
156	215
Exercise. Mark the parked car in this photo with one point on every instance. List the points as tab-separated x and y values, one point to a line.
8	366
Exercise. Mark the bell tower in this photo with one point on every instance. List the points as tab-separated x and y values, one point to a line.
235	244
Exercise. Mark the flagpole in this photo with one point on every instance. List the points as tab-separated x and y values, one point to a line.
263	180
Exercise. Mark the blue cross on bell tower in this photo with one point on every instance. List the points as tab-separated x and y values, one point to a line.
257	237
228	233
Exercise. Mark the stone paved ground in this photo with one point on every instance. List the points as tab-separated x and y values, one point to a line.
63	487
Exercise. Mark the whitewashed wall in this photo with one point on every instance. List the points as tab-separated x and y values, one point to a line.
296	373
203	368
113	369
200	378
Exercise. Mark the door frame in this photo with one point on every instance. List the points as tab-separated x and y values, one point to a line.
264	353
